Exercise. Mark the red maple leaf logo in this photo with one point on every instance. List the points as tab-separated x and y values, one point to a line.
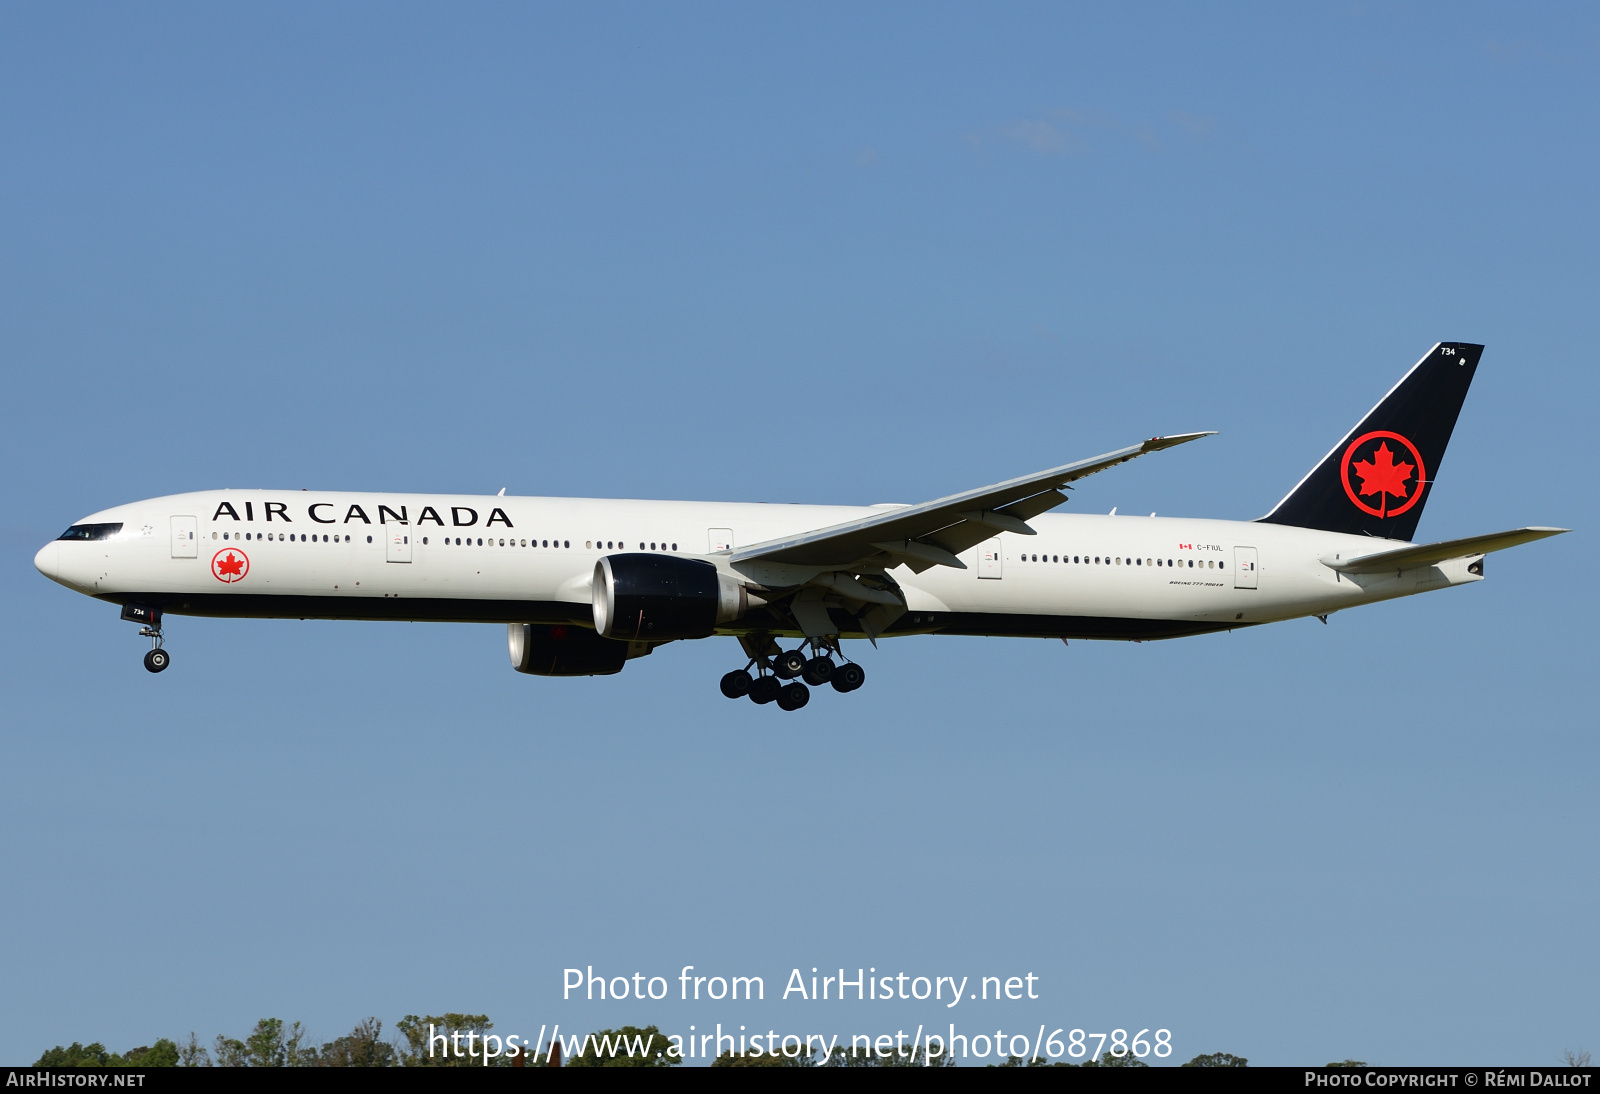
1381	475
228	565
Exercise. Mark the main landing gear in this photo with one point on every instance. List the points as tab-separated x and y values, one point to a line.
816	670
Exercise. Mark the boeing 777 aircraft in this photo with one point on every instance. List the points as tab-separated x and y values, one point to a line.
584	585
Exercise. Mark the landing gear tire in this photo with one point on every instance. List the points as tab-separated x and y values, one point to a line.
736	684
789	664
764	690
818	671
848	677
793	696
156	660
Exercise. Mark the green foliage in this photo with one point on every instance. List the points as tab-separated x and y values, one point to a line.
163	1053
1108	1060
859	1057
193	1054
462	1037
1347	1063
270	1044
76	1055
363	1046
766	1059
610	1048
1034	1061
1218	1059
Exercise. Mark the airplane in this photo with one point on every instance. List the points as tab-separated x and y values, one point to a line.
585	585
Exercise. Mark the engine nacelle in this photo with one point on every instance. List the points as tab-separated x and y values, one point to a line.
655	598
556	650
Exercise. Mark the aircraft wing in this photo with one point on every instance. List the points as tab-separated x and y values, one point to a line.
1425	553
935	532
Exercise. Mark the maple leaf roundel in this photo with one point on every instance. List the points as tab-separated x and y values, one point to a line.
229	565
1383	473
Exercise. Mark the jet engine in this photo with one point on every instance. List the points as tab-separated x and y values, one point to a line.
557	650
655	598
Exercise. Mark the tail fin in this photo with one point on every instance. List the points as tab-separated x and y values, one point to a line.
1377	479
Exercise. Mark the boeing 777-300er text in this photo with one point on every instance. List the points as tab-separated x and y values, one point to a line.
583	585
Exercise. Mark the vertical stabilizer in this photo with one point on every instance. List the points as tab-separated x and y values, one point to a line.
1376	480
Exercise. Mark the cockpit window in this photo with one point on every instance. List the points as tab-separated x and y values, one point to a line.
91	531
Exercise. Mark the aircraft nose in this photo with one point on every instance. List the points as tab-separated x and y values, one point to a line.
45	561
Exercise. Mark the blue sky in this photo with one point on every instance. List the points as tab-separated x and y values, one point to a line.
830	254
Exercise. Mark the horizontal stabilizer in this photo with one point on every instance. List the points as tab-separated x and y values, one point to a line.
1425	553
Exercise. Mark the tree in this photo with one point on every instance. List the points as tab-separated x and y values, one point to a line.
852	1057
76	1055
1108	1060
1575	1059
448	1040
805	1058
1031	1061
1218	1059
627	1046
193	1054
1347	1063
363	1046
163	1053
270	1044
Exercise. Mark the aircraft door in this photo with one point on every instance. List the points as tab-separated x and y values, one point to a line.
398	539
721	539
185	537
1244	567
991	560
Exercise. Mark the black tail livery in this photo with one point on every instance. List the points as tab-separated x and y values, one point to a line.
1376	480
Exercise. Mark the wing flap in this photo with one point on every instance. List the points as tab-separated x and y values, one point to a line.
945	524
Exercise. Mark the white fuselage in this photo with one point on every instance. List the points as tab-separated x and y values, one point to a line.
262	553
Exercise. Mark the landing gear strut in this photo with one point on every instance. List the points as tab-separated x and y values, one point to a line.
158	658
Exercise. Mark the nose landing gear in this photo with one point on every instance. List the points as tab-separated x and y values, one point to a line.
157	659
